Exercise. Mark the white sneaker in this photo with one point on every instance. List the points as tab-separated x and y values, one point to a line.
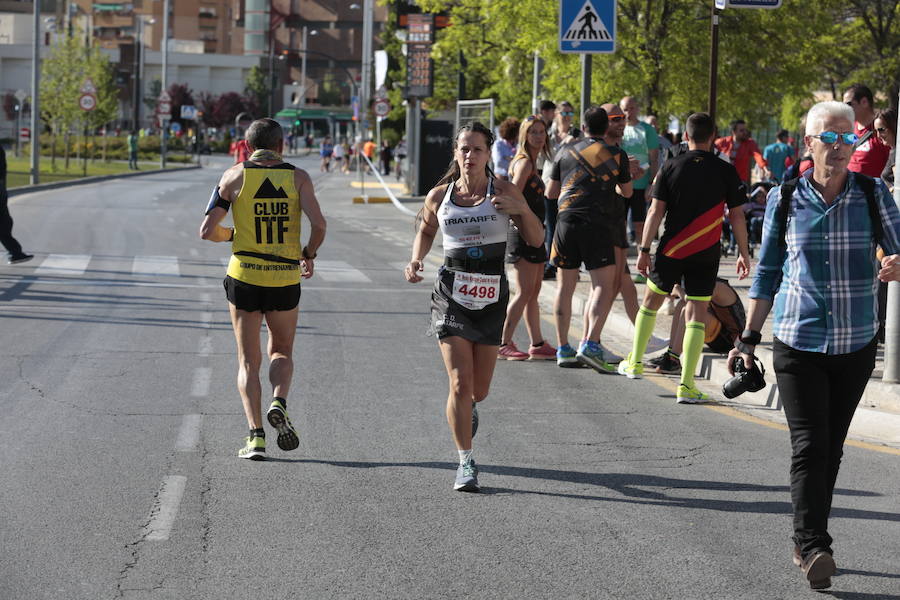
669	306
655	344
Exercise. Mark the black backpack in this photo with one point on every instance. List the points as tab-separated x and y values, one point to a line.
865	182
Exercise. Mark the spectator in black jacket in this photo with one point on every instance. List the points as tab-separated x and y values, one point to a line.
16	255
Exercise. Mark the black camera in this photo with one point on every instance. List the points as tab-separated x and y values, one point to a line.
744	380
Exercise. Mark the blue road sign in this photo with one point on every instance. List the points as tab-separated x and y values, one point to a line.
587	26
754	3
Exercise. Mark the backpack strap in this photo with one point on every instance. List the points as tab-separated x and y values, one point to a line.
784	208
868	186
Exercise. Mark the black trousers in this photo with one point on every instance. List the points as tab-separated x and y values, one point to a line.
6	223
819	393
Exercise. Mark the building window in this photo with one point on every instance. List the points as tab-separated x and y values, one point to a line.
208	12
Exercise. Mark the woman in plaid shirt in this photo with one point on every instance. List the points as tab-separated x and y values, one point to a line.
822	282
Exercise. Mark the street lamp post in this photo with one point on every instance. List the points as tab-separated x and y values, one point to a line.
165	81
139	68
35	106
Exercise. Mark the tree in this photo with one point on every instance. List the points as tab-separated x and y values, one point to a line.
181	95
228	106
61	78
258	86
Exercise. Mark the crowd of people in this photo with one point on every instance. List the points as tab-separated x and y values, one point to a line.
560	200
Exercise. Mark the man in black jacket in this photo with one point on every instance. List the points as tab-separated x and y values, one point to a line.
16	255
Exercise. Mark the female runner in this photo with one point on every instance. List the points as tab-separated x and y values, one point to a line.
472	209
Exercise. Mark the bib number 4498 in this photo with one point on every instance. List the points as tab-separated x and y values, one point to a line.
474	290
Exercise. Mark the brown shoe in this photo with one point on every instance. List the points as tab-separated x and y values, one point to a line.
818	569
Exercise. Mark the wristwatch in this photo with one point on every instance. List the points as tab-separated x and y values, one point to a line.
645	250
306	254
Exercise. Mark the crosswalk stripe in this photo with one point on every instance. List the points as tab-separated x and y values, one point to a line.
155	265
64	264
338	270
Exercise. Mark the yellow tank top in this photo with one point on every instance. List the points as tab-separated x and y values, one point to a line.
266	247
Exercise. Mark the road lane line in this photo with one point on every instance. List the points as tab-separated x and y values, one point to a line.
189	434
206	317
205	346
194	253
64	264
200	384
165	509
155	265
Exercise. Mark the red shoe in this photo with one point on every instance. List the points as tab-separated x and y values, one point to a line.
510	352
543	352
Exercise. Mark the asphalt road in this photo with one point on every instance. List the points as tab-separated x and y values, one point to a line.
122	422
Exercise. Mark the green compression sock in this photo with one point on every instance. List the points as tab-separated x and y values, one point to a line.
694	334
643	329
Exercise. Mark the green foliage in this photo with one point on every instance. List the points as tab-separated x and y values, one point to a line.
257	86
770	61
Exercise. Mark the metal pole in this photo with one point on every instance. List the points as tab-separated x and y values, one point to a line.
415	152
18	127
368	12
586	60
138	55
303	69
165	81
536	84
35	81
407	177
271	70
892	316
713	60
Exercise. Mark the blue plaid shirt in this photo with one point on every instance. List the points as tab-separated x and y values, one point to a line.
825	284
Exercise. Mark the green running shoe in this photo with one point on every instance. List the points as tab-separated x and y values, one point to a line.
254	448
287	435
690	395
630	369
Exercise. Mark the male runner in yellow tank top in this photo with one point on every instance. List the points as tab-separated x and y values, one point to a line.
263	281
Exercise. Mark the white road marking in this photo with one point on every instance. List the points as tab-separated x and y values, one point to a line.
200	384
194	252
155	265
206	317
165	509
205	346
340	271
64	264
189	434
205	298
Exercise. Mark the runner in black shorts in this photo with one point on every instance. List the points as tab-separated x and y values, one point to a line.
691	191
585	177
527	261
264	272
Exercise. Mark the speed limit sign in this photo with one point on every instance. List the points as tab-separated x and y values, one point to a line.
87	102
382	107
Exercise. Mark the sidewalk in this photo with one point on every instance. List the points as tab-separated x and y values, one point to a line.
877	420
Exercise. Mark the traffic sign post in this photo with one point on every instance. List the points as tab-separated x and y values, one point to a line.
381	107
87	102
587	26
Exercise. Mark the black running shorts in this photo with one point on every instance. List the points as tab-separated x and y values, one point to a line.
449	318
253	298
699	275
638	205
576	241
517	249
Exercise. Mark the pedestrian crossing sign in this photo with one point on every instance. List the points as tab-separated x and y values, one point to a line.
587	26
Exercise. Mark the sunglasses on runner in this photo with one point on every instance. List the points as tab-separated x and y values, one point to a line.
568	113
615	118
831	137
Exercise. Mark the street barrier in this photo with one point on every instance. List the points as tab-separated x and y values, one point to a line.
390	194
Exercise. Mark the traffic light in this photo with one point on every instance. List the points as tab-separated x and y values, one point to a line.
297	123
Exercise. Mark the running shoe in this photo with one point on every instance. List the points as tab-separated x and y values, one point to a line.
543	352
611	357
665	364
510	352
19	258
474	419
549	272
565	357
690	395
655	344
467	477
631	369
254	448
287	435
591	355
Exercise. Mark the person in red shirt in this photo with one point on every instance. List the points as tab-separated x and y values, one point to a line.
241	152
871	156
739	147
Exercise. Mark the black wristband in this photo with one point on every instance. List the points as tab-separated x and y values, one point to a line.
748	336
744	348
645	250
306	255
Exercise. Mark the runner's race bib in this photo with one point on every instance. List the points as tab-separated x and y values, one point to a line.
474	291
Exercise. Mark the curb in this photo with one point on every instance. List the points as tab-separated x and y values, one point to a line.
28	189
371	200
714	368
